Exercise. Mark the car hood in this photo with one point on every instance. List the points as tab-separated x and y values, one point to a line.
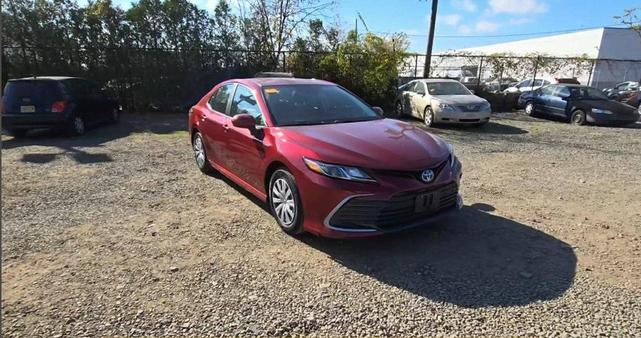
613	106
380	144
458	99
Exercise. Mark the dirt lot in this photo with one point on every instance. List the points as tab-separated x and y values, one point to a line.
117	233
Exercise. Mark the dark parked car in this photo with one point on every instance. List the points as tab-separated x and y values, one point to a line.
622	90
322	159
578	104
54	102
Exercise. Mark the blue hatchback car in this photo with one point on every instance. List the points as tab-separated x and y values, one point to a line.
577	104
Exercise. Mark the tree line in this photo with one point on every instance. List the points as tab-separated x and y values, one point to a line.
165	54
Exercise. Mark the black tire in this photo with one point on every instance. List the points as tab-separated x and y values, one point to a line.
290	223
202	161
17	133
428	117
115	115
398	110
77	126
578	118
529	109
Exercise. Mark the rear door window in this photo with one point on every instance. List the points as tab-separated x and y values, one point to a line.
218	101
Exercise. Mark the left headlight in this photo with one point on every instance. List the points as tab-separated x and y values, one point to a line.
601	111
486	106
337	171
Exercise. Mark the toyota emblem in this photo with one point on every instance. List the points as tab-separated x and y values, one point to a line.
427	175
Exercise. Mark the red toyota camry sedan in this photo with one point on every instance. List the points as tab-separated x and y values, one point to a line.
322	159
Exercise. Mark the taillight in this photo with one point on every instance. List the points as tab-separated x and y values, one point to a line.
58	106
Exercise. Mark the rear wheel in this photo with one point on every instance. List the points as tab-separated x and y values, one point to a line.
578	117
202	161
284	202
78	126
115	115
428	117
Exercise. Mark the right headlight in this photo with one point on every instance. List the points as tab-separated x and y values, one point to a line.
445	107
338	171
601	111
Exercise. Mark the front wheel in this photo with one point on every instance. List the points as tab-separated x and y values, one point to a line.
398	110
284	202
428	117
578	117
529	109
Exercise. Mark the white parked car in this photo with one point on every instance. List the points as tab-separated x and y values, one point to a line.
527	85
442	101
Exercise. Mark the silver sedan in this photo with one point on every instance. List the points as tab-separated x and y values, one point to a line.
442	101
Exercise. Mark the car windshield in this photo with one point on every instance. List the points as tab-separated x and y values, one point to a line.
292	105
589	93
447	88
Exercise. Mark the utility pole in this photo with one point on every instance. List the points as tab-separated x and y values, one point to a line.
430	40
356	29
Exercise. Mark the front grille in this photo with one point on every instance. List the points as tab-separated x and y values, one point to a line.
469	120
415	174
398	212
469	107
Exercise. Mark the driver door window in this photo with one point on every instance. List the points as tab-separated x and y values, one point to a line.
244	102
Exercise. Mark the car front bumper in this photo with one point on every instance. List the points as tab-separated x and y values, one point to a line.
344	209
462	117
612	119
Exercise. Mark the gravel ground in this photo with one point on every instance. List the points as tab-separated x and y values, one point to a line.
117	233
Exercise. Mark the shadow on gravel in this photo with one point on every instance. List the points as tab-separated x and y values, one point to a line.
491	128
95	137
476	260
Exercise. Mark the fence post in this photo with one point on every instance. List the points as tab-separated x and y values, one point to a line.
536	68
416	65
479	73
592	65
284	61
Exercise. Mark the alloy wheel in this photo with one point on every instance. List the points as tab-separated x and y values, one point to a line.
529	108
428	117
283	202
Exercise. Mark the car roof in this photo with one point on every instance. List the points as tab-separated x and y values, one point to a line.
437	80
47	78
279	81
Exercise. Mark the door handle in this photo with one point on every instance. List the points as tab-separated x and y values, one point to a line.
226	127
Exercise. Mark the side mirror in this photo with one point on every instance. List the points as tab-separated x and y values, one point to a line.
378	110
420	92
243	121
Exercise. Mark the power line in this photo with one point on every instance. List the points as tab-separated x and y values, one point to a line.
507	35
